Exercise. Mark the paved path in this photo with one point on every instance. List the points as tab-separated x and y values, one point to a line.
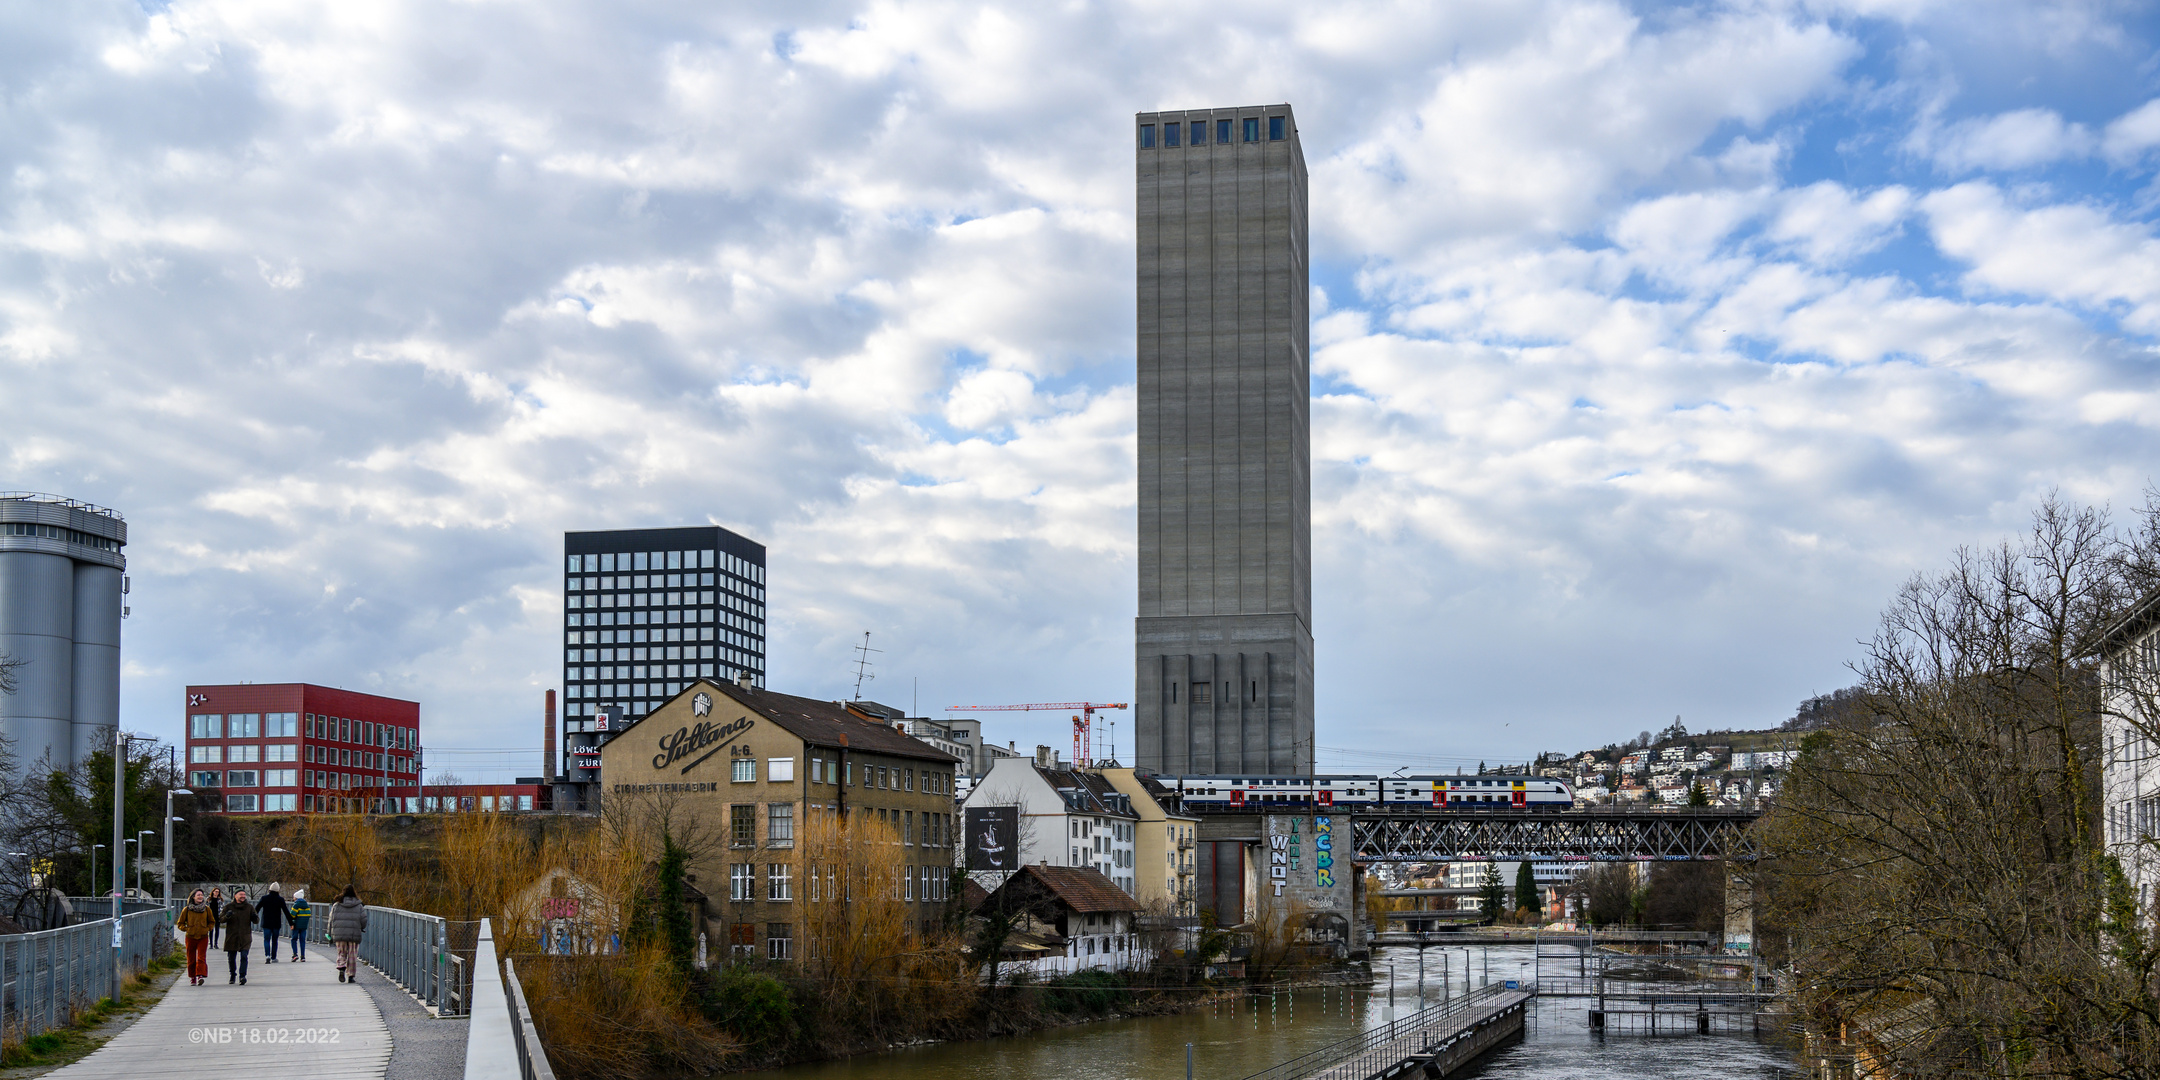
422	1046
290	1020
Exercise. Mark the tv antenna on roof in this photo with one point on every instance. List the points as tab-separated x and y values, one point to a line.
862	663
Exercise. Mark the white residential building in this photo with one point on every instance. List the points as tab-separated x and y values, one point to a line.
2130	766
1764	759
1067	817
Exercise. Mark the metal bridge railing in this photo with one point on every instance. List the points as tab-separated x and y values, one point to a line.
48	976
410	949
1359	1055
89	908
501	1043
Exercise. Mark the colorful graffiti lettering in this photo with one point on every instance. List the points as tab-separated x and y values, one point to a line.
1324	847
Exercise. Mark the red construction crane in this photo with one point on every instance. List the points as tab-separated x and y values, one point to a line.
1083	725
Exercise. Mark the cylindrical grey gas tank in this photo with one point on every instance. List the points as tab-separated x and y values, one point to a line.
97	658
37	628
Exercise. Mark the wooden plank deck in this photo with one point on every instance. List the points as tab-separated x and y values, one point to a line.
278	1027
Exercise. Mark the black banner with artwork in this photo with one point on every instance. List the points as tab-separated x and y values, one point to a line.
993	838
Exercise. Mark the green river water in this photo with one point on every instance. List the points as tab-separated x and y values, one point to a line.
1234	1039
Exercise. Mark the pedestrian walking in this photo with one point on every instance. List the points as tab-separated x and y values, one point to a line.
195	923
273	912
302	913
239	922
217	912
348	920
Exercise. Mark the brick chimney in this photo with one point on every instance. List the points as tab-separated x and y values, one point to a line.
547	739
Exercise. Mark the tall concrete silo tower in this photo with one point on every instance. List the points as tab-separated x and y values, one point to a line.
61	590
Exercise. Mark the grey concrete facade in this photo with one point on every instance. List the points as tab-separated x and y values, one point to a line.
61	585
1223	643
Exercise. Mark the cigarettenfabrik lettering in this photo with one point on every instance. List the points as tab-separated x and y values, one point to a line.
684	742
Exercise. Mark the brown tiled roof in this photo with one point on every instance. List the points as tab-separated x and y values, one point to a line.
1082	890
827	723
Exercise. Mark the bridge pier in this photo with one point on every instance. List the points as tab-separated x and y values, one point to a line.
1739	915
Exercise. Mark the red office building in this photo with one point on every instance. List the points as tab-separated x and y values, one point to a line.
282	748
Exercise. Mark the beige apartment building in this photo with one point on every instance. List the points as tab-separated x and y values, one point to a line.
1163	845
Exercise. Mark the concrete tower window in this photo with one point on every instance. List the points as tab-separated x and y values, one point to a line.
1252	129
1169	134
1199	133
1201	692
1274	128
1222	131
1147	136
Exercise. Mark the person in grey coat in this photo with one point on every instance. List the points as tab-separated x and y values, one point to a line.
348	921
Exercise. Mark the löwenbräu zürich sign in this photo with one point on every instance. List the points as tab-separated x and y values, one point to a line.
684	742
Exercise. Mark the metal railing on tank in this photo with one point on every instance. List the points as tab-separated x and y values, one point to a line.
48	976
411	949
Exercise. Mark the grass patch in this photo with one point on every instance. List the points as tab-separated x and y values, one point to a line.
61	1046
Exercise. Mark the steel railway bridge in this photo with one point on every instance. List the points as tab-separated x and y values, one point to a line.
1597	834
1592	835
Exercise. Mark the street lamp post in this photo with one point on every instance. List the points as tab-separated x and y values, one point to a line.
139	858
169	819
119	826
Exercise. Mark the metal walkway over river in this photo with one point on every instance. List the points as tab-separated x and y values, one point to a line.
1432	1043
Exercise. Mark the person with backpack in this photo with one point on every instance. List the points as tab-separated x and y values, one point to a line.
348	921
302	913
195	923
273	912
239	922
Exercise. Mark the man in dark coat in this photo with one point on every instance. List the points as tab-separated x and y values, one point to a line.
238	919
273	913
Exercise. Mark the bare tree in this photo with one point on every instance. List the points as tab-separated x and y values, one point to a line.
1940	866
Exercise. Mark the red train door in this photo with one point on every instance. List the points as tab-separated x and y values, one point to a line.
1521	797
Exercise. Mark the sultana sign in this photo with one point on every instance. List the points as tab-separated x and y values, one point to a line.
685	741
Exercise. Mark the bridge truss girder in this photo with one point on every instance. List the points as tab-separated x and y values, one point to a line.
1545	836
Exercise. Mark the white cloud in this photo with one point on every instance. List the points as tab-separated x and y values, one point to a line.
2130	135
2012	140
2074	253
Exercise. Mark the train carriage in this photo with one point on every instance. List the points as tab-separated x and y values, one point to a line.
1461	793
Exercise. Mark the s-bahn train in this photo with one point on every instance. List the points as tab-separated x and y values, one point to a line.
1458	792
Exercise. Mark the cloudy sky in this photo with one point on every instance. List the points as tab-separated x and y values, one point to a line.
1653	345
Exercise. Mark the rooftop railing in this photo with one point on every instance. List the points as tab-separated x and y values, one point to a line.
60	500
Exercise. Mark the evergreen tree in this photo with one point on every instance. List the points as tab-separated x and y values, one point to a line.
1526	891
1491	894
1696	796
668	917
